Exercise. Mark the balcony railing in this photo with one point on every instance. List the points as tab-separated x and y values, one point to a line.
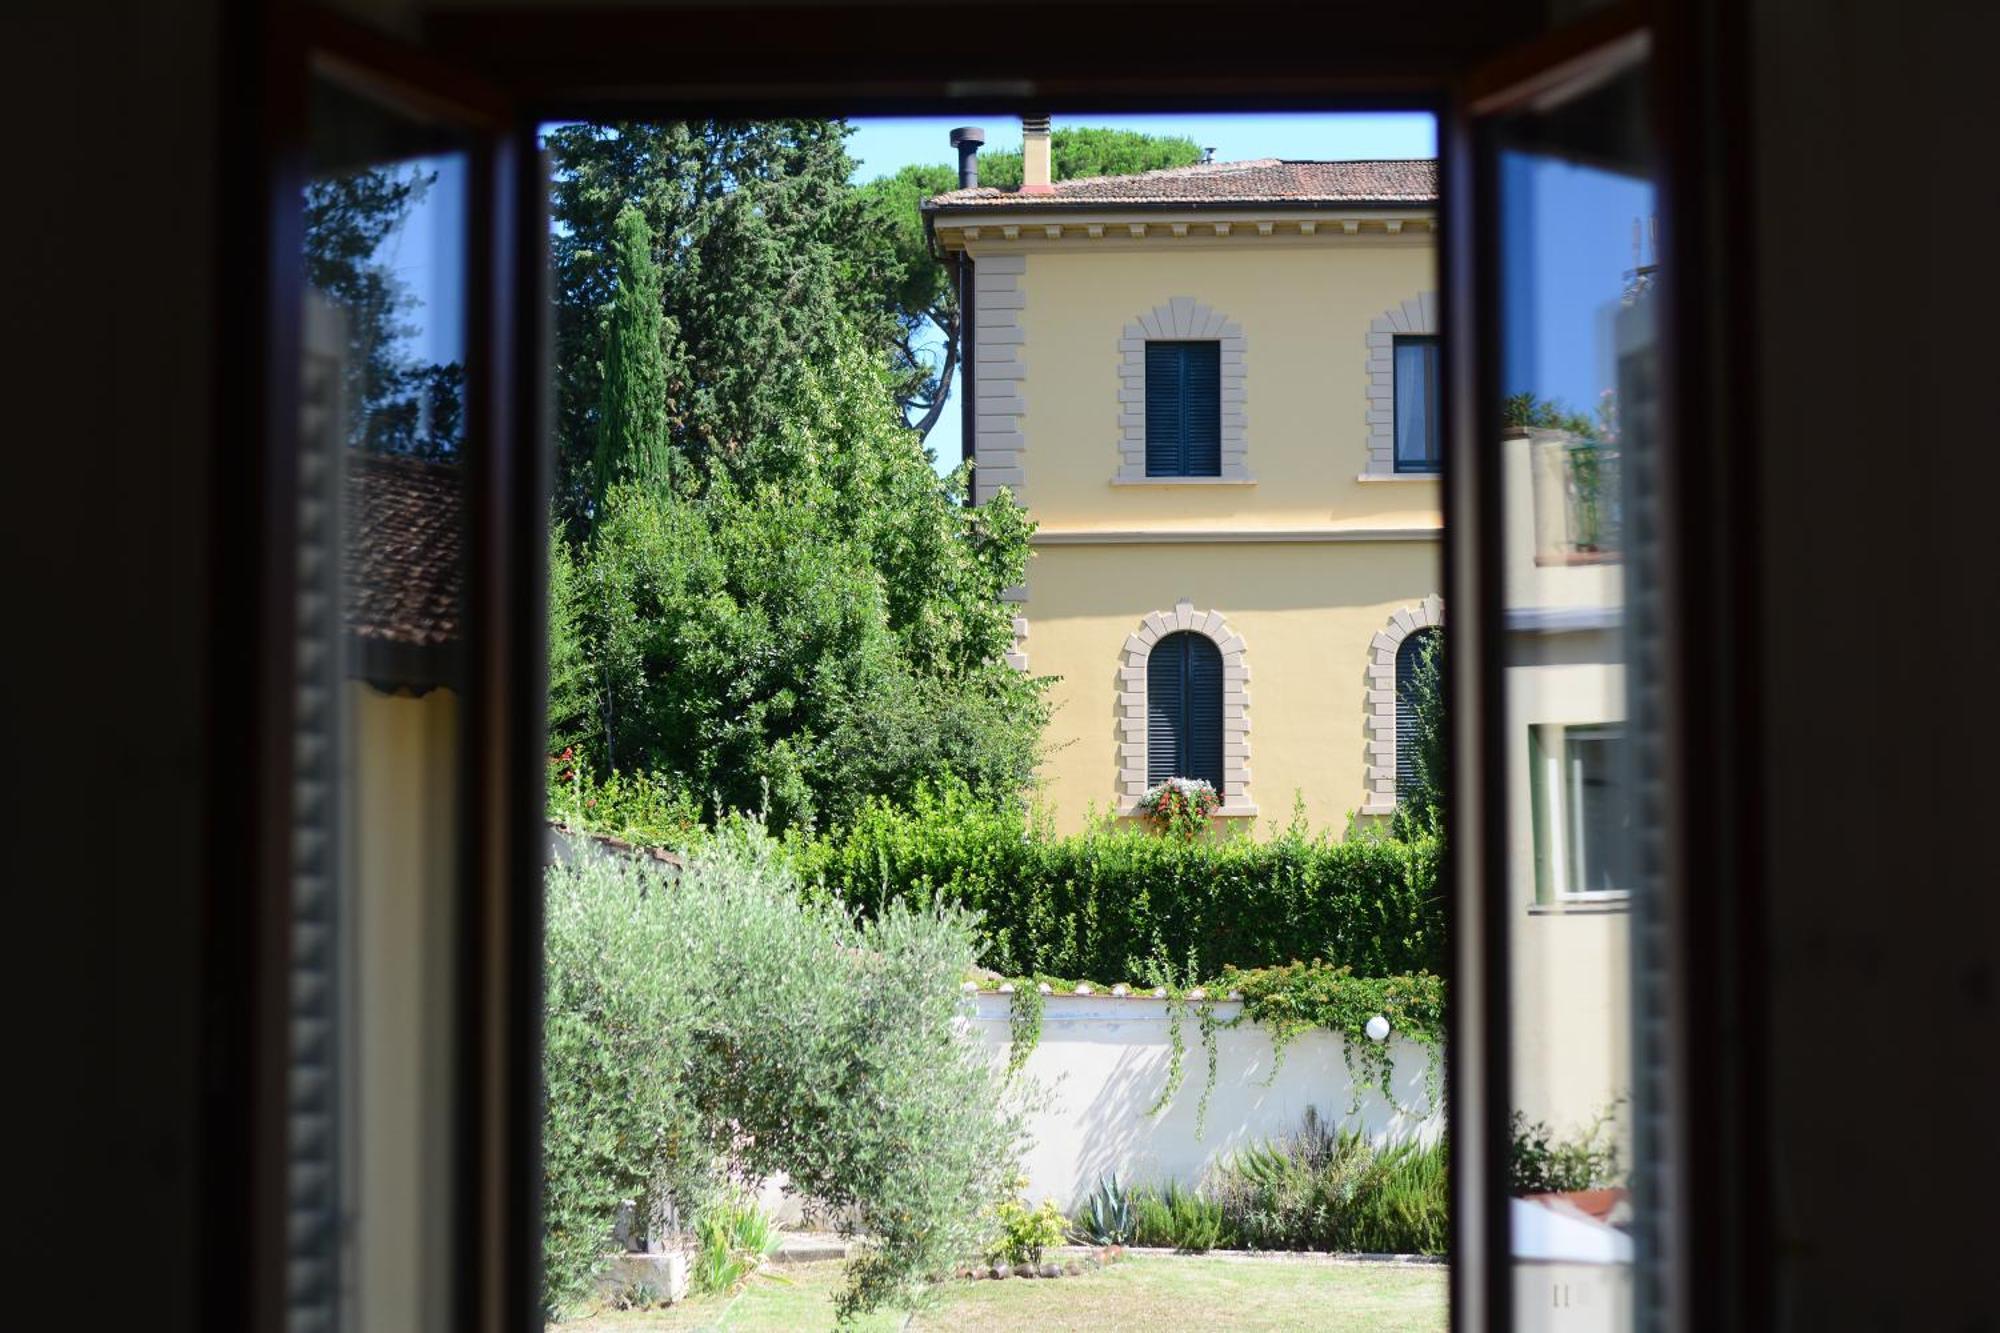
1578	490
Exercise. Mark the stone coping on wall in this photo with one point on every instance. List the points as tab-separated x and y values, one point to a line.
994	1006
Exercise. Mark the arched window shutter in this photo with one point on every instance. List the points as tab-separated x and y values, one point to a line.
1409	656
1184	710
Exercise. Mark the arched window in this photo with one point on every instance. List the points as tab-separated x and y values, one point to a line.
1184	710
1409	656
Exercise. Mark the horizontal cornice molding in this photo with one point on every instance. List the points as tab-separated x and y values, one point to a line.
1231	536
1114	227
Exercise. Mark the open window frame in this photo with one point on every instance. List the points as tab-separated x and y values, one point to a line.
502	72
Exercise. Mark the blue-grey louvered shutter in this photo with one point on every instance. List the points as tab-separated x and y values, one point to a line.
1184	409
1184	710
1409	656
1166	708
1201	410
1204	710
1163	409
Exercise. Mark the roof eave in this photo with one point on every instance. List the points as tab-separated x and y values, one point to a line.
1043	204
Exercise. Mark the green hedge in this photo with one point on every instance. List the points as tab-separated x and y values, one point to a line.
1114	902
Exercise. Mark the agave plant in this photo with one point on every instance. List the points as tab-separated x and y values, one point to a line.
1106	1216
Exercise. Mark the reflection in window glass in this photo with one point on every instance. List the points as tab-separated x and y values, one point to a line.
1417	404
1577	216
381	569
1594	807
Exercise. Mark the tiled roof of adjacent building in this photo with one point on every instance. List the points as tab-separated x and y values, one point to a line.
1268	180
403	557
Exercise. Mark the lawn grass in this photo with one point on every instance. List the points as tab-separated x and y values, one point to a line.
1145	1291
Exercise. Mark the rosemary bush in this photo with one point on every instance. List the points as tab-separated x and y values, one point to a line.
1326	1188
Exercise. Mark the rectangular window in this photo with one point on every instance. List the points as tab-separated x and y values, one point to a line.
1418	408
1184	409
1578	800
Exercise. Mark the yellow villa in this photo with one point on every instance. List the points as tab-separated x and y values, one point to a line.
1216	389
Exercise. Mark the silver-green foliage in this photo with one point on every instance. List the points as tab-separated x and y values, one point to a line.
1106	1216
717	1023
1324	1187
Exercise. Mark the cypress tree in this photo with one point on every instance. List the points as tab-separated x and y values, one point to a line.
632	438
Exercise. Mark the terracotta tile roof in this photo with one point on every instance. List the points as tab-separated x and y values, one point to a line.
1268	180
402	560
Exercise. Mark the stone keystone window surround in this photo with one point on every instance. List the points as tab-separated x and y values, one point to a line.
1182	318
1000	377
1418	315
1131	698
1380	699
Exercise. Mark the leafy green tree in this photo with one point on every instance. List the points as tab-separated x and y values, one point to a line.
632	441
726	1026
1081	151
922	289
831	630
765	252
572	696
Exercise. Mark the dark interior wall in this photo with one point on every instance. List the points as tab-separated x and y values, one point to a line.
113	115
1875	216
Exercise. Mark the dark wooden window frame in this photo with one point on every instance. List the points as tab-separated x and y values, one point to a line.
1460	58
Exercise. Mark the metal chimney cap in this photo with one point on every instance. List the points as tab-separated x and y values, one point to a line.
968	134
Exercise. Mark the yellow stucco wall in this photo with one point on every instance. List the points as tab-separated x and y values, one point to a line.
1571	960
401	804
1306	614
1306	610
1304	305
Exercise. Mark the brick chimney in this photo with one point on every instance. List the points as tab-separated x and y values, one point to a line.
1035	156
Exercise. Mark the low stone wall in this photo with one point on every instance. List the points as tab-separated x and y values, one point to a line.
1102	1061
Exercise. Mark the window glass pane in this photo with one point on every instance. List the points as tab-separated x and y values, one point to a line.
1416	405
1595	809
1576	360
381	569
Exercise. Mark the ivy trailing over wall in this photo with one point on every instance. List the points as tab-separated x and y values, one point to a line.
1298	997
1285	1001
1024	1023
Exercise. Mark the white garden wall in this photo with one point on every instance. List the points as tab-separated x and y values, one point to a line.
1102	1061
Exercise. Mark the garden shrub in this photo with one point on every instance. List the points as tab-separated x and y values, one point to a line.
1105	1218
1025	1232
720	1025
731	1240
1542	1162
1331	1189
1180	1218
1117	901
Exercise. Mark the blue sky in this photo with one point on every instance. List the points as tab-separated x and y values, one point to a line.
884	146
1567	248
1569	232
426	254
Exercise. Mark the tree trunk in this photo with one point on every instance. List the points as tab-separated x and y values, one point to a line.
938	399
